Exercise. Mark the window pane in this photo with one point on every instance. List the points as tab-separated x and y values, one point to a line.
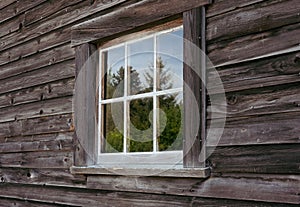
112	128
113	72
141	128
140	66
169	60
169	124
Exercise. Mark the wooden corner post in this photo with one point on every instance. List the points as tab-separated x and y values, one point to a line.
194	91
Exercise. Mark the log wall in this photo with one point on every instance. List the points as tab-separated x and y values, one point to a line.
254	45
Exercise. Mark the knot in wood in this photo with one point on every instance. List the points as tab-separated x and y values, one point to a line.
233	99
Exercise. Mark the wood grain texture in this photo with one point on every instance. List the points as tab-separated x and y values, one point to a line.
46	9
273	158
48	159
224	6
78	12
267	100
5	3
261	43
38	176
37	61
17	8
263	129
84	197
9	202
37	45
270	71
194	93
38	109
230	186
60	88
37	77
130	17
60	142
116	198
12	25
41	125
85	104
256	18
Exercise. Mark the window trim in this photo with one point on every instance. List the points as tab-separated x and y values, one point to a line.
86	44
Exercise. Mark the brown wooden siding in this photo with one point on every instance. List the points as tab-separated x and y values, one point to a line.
257	162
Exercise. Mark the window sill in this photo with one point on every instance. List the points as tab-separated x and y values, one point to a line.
159	172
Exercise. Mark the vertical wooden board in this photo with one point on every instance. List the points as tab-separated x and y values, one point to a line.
194	89
85	102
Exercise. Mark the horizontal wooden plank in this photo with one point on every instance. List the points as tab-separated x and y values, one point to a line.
4	3
256	130
12	25
37	109
269	71
34	138
184	172
37	61
37	77
226	202
259	188
223	6
254	45
84	197
9	202
60	142
53	177
60	88
253	19
17	7
269	100
41	125
37	45
72	15
274	159
130	17
45	159
46	9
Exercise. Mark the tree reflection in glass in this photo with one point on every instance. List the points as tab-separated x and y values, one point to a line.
141	70
112	129
113	64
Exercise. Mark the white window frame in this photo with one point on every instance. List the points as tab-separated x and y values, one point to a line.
137	159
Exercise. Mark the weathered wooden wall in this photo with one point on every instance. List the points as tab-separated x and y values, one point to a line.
257	162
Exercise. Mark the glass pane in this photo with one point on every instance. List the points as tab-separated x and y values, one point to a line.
113	64
112	127
169	60
170	122
141	128
140	66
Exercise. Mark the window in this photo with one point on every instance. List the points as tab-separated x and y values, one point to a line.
141	101
126	82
